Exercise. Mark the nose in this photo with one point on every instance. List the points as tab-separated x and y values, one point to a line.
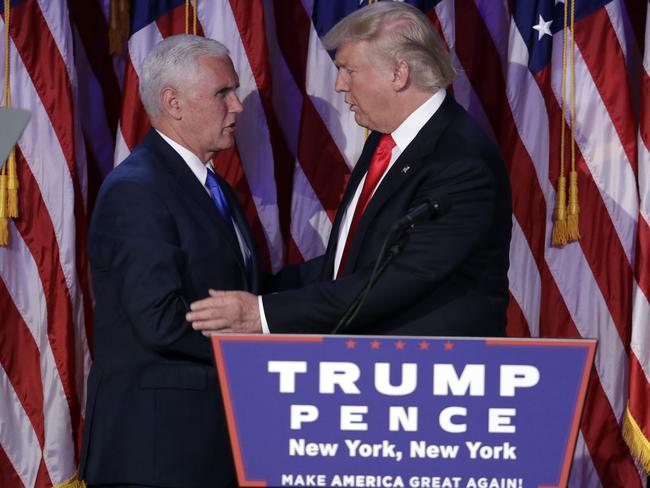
235	104
341	84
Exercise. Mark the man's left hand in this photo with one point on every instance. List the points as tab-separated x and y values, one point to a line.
224	312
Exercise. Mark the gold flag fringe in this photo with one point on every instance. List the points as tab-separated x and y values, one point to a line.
637	441
73	482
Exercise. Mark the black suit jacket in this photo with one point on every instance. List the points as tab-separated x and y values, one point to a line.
157	242
451	277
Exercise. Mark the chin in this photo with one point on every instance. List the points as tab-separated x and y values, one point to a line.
361	122
225	143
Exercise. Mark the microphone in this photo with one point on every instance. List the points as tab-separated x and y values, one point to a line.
432	207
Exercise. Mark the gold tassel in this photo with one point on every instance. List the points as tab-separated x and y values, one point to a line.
6	92
560	234
118	29
4	220
573	209
12	185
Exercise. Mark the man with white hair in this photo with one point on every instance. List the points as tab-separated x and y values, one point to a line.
451	276
165	229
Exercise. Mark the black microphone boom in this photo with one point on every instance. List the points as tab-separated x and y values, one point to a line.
432	207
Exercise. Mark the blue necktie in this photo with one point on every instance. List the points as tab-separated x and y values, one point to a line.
221	203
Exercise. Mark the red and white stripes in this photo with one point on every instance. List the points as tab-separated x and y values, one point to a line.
45	300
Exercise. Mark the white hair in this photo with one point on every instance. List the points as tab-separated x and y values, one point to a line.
172	62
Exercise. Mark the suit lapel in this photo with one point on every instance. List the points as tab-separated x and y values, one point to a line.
358	172
407	166
173	164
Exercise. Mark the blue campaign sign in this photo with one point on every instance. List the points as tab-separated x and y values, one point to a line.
402	412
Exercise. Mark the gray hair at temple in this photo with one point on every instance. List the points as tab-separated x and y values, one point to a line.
172	62
397	32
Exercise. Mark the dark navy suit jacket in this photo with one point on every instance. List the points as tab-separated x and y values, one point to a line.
157	242
451	277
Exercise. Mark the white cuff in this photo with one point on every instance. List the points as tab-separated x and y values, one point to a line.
265	326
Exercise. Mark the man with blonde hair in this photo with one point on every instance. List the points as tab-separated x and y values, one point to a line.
451	276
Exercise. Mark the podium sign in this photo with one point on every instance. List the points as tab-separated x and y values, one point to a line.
402	412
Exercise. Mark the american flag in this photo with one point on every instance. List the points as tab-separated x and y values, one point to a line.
296	145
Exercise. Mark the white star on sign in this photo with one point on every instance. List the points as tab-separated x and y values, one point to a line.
543	28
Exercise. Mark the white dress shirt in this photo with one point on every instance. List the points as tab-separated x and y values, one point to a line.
403	136
200	170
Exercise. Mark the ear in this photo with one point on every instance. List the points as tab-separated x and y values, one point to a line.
401	75
171	103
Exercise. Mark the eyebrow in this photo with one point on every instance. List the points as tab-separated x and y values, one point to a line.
227	88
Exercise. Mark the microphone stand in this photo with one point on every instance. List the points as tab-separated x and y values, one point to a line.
432	208
383	260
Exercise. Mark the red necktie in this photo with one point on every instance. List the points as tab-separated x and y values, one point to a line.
376	170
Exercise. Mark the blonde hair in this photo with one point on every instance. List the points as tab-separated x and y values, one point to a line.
396	31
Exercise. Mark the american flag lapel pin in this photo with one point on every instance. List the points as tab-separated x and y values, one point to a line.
405	169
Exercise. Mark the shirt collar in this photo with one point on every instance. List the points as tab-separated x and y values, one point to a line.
197	167
408	129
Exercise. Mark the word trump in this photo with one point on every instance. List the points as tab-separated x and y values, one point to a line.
446	381
343	377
